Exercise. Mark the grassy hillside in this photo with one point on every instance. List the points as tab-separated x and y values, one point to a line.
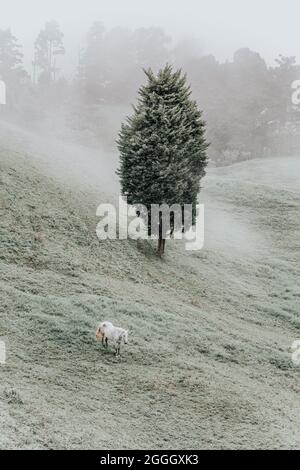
208	364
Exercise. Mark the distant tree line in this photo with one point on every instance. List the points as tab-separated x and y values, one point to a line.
247	103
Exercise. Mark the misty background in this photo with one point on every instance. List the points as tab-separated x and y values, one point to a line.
74	69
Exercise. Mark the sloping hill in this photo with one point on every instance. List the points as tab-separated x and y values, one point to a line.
208	364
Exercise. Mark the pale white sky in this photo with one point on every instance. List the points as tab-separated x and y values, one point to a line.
270	27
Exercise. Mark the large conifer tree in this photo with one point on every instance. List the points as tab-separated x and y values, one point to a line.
162	146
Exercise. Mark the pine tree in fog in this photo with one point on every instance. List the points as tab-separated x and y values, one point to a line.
11	67
162	146
11	57
48	45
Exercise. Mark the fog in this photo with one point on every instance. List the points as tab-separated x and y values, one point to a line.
74	68
218	27
210	330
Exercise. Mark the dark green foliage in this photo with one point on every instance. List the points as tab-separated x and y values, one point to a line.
162	145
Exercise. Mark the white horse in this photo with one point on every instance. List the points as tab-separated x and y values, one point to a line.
107	331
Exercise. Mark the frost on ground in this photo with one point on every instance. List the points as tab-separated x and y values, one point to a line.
209	362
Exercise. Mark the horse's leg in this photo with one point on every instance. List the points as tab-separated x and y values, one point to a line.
106	342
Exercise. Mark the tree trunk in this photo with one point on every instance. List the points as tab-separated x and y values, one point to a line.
161	246
161	240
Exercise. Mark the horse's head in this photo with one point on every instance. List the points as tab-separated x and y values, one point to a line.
99	334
